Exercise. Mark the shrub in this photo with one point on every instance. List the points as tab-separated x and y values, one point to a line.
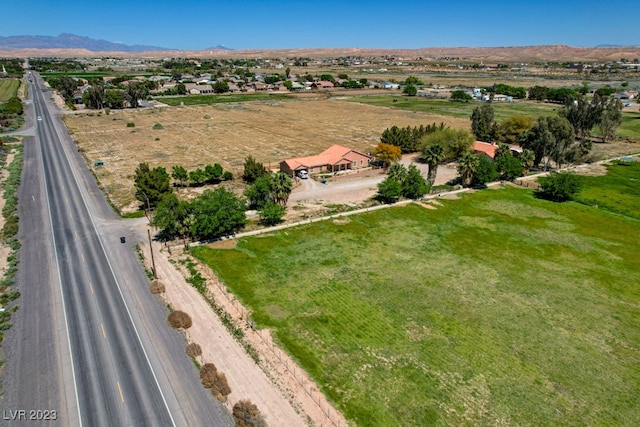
271	213
131	125
179	320
157	126
193	350
208	375
559	186
227	176
156	287
246	414
220	388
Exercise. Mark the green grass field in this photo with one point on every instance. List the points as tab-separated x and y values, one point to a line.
618	191
630	127
8	89
218	99
494	309
502	110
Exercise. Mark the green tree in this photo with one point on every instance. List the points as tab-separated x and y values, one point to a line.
197	177
414	185
559	186
413	80
171	217
281	186
217	213
460	95
513	128
135	91
181	89
482	122
433	155
400	137
180	175
94	97
456	142
610	119
389	190
398	172
467	168
271	213
220	86
259	193
549	139
526	160
252	169
583	115
485	171
213	172
114	98
151	185
12	106
410	90
509	167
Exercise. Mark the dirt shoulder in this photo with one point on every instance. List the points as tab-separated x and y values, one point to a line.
282	391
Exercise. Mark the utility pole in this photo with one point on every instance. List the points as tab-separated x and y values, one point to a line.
153	261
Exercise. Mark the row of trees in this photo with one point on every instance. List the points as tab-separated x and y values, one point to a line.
409	138
211	174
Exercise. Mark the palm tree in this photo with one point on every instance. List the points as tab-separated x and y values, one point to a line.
526	158
433	155
281	186
467	167
502	150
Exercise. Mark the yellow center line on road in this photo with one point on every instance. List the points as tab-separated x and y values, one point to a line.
91	287
120	390
103	332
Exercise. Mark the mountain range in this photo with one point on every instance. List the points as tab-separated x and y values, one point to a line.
73	41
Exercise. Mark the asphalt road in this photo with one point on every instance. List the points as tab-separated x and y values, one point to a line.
90	345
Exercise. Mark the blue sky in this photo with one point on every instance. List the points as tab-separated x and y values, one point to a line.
259	24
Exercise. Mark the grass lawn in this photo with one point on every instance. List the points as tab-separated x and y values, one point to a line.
618	191
217	99
8	89
495	309
502	110
630	127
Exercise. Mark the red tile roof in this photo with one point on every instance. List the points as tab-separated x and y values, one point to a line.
331	156
486	148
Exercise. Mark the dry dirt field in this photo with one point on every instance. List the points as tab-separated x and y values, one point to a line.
194	136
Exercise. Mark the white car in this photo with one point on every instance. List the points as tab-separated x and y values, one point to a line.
303	174
39	118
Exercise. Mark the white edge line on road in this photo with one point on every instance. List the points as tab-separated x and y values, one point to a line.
135	329
55	251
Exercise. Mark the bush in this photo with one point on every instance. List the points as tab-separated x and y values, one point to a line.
193	350
559	186
246	414
227	176
271	213
220	388
179	320
157	126
156	287
485	172
208	375
131	125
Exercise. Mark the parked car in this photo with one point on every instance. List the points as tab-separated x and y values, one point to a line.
303	174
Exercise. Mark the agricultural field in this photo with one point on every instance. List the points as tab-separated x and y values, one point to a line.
193	136
494	309
217	99
8	88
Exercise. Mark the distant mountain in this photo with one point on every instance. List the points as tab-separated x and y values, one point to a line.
219	47
71	41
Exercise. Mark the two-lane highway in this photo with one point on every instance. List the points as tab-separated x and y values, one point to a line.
110	372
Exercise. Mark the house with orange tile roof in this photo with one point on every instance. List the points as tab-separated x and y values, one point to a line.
334	159
486	148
